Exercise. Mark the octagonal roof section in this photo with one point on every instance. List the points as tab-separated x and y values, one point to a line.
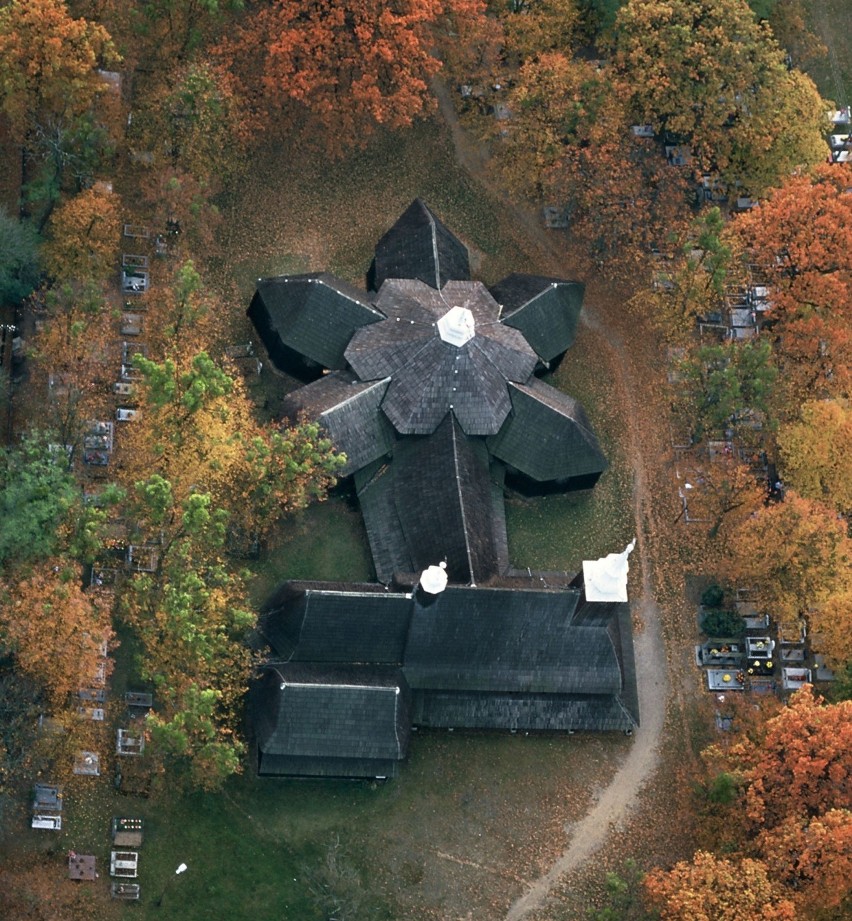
445	351
457	326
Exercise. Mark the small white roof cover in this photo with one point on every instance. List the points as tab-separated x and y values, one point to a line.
456	326
434	579
606	579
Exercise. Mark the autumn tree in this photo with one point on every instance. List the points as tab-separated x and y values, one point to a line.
206	124
724	494
534	27
83	236
350	65
812	858
48	63
727	386
177	29
831	626
50	88
690	283
788	19
795	553
569	142
814	453
799	239
77	354
197	430
182	205
192	616
54	629
802	767
709	888
707	72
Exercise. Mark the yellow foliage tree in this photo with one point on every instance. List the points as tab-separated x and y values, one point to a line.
55	629
795	553
815	455
83	236
708	71
48	63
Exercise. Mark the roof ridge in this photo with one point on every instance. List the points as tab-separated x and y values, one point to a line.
340	684
433	231
461	495
369	385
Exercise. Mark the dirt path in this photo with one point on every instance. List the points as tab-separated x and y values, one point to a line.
590	833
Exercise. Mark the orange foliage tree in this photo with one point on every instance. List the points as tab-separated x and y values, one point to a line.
352	65
800	239
709	888
53	627
813	858
83	236
801	768
796	554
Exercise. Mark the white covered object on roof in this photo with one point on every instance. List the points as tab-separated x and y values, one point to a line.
606	578
434	579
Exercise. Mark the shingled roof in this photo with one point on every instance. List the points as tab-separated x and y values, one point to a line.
545	310
442	491
330	722
509	641
348	409
335	625
431	376
548	437
432	394
311	315
420	246
485	658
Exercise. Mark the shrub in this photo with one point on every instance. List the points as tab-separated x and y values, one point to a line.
712	596
718	622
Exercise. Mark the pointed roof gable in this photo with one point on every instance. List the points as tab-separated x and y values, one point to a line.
313	315
348	409
344	722
548	436
545	310
334	625
420	246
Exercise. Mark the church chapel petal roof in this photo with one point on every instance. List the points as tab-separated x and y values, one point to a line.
432	376
545	310
548	436
314	315
420	246
348	409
